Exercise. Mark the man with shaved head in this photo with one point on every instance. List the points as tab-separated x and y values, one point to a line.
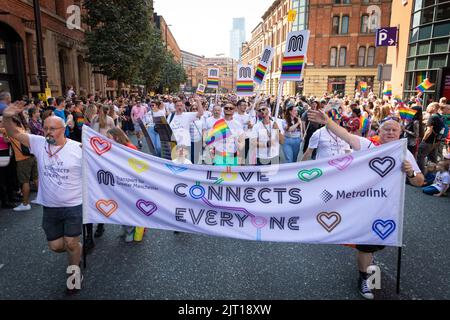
59	192
389	131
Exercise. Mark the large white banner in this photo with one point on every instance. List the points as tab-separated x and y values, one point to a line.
352	199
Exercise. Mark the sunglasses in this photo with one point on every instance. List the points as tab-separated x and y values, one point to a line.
228	108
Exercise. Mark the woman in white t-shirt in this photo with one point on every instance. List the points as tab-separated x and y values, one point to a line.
441	182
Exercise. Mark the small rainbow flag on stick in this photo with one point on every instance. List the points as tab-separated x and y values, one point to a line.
219	131
213	83
260	74
406	113
425	85
364	124
363	86
388	90
292	67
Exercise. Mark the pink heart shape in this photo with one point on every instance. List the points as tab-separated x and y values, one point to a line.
99	145
341	163
146	207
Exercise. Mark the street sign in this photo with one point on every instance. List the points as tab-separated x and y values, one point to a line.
386	37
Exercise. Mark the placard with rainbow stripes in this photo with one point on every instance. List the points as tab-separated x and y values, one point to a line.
244	81
295	56
201	89
387	91
264	63
213	78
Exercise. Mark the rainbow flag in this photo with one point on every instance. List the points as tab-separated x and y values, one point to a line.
425	85
260	74
244	87
219	131
213	83
388	90
363	86
406	113
364	124
291	68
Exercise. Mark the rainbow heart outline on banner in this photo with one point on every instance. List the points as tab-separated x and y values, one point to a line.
99	145
378	165
329	215
383	233
100	204
341	163
315	173
142	205
138	166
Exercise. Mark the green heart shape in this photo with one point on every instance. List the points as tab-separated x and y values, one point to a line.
309	175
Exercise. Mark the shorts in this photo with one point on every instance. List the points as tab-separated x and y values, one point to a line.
368	248
27	170
62	222
137	127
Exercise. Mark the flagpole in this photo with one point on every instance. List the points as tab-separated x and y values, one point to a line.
399	265
280	92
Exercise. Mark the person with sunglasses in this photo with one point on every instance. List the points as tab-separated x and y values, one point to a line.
60	172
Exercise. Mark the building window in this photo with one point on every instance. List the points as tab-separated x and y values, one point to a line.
342	56
333	57
361	56
364	24
335	25
371	56
341	1
344	25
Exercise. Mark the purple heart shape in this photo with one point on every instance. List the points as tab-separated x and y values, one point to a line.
146	207
379	227
341	163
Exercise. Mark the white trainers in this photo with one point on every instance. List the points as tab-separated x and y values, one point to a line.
22	207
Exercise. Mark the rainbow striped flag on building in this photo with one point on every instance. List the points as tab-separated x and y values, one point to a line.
260	74
425	85
244	87
219	131
291	68
406	113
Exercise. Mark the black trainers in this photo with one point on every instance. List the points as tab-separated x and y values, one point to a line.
99	232
364	290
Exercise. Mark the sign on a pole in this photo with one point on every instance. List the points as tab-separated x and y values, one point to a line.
244	83
266	60
294	56
386	37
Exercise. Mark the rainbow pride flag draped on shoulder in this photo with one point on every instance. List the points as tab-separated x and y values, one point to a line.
219	131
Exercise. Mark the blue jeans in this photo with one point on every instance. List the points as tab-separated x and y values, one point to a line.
156	140
430	190
291	148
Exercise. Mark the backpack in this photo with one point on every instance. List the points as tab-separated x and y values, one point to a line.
442	133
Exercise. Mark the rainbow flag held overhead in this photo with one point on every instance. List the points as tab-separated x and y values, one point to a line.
406	113
218	132
425	85
260	74
291	68
213	83
364	124
244	87
363	86
387	90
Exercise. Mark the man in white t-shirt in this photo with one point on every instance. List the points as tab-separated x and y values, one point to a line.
326	143
267	138
59	192
389	131
227	151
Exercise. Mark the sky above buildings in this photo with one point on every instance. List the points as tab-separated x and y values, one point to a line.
203	26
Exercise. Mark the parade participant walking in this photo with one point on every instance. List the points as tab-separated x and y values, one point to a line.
60	112
137	113
268	138
59	167
389	131
325	144
293	132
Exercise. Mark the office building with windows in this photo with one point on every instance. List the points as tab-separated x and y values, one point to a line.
237	37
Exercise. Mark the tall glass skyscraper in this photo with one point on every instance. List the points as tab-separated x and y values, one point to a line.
237	36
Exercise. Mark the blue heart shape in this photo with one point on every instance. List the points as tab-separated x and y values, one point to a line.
176	169
385	232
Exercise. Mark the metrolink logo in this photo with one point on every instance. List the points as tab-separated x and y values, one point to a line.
369	193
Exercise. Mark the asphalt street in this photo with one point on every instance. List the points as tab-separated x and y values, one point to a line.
168	266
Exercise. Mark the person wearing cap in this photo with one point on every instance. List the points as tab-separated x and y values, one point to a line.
389	131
